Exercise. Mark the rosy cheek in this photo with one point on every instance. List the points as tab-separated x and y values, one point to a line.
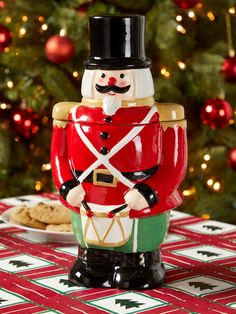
123	83
100	80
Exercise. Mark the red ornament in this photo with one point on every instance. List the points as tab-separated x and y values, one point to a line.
232	159
25	122
186	4
59	49
216	113
5	37
229	69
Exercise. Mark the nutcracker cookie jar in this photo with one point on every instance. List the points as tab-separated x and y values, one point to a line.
117	160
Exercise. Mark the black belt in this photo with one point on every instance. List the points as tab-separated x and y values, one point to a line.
133	176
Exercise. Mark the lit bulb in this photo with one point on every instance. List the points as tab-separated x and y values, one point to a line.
207	157
44	27
8	19
189	192
62	32
3	106
165	72
75	74
181	29
22	32
205	216
191	169
24	18
179	18
9	84
232	10
192	15
38	185
46	167
203	166
216	186
181	65
210	182
210	16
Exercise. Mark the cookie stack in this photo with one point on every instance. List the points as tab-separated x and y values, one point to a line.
50	217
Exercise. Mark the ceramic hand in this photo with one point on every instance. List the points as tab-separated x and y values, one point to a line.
135	200
76	196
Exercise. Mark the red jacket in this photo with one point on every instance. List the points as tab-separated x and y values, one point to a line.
155	157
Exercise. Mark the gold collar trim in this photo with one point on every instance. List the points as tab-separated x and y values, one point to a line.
138	102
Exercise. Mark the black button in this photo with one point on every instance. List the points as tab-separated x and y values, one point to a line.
108	119
104	135
103	150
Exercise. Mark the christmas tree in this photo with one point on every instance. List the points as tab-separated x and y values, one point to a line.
191	44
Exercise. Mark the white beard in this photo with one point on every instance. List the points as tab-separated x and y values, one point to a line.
110	105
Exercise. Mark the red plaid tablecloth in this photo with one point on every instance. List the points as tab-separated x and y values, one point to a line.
199	256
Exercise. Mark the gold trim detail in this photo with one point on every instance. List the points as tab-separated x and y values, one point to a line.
99	241
170	112
138	102
171	124
62	109
103	171
59	123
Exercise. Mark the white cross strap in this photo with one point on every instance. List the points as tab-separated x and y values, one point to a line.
104	159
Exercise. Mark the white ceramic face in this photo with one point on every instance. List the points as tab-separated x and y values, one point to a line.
117	83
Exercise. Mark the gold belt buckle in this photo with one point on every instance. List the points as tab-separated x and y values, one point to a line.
106	177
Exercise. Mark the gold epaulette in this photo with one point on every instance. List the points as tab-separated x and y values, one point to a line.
61	112
171	115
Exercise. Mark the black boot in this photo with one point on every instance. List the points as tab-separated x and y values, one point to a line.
93	268
138	270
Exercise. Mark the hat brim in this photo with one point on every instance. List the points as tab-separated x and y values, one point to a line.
117	63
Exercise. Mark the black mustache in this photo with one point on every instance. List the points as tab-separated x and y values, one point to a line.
116	89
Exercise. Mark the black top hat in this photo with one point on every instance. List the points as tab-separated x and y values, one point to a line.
117	42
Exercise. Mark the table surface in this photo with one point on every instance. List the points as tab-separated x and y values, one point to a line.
199	256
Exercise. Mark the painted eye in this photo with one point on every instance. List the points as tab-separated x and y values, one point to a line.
122	75
103	75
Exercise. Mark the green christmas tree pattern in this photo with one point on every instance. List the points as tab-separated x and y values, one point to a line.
207	253
201	285
19	263
128	303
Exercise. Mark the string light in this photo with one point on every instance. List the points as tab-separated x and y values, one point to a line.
181	29
8	19
38	185
210	16
41	19
231	121
216	186
189	192
192	15
210	182
207	157
75	74
7	49
63	32
205	216
46	167
191	169
165	72
44	27
10	84
24	18
203	166
22	32
232	10
181	65
179	18
4	106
